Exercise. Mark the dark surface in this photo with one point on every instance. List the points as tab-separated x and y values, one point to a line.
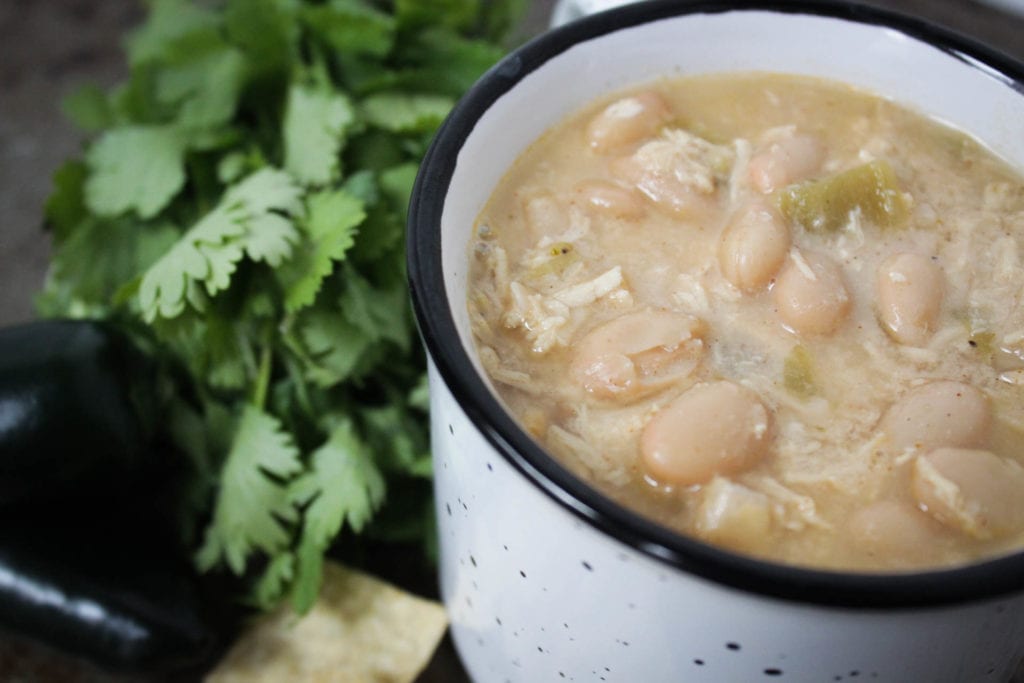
50	47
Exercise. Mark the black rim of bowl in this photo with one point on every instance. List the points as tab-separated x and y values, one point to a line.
987	579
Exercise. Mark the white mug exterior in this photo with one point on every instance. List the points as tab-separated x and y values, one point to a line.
535	593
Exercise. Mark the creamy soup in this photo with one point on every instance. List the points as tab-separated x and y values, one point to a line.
775	313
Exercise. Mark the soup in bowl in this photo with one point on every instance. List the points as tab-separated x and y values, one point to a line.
720	304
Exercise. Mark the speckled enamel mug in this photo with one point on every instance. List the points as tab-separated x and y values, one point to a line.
545	579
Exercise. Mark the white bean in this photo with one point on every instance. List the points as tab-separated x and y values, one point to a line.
810	295
753	247
638	353
910	290
785	161
611	199
939	414
891	531
627	121
973	491
711	429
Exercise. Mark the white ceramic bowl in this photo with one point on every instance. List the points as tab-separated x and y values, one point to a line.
545	579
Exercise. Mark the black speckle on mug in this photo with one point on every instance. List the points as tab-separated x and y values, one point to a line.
587	566
565	625
448	507
451	430
505	547
540	649
773	672
464	506
542	629
522	573
497	620
490	467
854	673
472	560
699	662
469	602
735	647
561	675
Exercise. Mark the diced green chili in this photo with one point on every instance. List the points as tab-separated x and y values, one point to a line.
825	205
798	373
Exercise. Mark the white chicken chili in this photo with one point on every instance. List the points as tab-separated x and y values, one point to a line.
772	312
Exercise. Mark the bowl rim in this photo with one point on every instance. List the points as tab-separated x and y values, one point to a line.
930	588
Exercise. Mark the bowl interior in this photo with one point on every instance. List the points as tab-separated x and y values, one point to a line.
534	89
942	82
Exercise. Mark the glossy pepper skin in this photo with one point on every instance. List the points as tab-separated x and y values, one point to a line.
104	585
78	409
90	559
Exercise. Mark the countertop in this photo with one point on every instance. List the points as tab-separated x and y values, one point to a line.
50	47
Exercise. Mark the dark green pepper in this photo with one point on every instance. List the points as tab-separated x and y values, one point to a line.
78	409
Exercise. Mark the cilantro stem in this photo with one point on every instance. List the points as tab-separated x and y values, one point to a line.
259	394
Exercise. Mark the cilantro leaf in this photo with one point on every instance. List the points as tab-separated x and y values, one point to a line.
98	271
330	229
203	78
138	168
315	123
207	253
406	113
380	313
65	207
396	184
333	347
274	581
401	443
342	485
252	502
448	61
255	217
456	14
351	26
89	108
266	30
169	21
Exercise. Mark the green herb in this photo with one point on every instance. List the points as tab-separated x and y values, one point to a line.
240	211
826	204
798	372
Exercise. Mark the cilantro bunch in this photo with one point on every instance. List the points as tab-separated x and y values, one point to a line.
239	209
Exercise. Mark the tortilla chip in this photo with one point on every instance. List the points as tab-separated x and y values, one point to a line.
361	630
